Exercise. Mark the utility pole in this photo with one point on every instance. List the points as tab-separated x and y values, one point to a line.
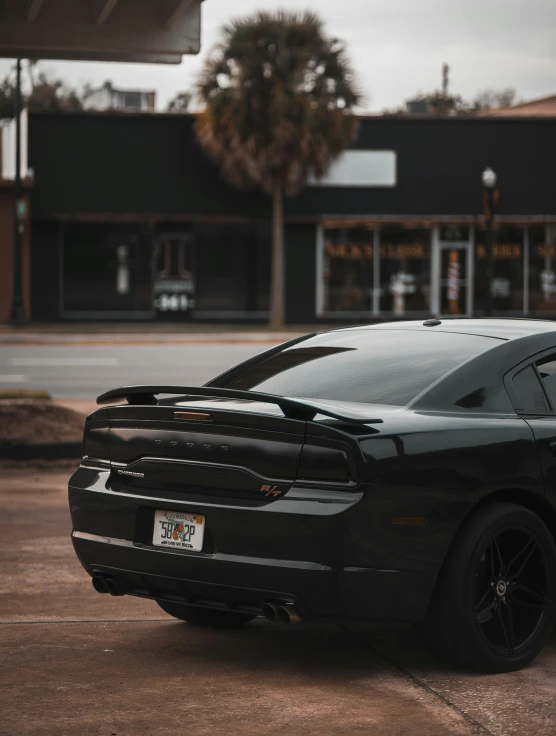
18	316
445	80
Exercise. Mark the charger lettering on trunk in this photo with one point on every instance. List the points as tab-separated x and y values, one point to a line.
131	473
270	490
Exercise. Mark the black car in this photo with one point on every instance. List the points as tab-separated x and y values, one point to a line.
401	471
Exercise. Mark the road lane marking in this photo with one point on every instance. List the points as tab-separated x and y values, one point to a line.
13	379
62	362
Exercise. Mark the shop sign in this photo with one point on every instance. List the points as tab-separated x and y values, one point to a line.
350	251
174	295
546	251
361	251
501	251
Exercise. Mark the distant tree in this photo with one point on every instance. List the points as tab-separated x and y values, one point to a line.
489	99
6	98
279	97
52	95
181	102
42	92
440	104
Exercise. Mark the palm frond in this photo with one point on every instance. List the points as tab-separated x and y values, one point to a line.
278	101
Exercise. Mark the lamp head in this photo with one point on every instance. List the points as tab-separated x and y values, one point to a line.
489	178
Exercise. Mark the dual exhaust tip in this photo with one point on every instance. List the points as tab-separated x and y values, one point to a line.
106	584
285	613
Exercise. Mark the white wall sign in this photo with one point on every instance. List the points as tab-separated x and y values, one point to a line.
361	169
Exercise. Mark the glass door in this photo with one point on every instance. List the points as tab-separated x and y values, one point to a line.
174	277
453	281
454	272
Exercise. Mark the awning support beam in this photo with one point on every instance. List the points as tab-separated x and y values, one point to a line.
106	8
179	9
33	11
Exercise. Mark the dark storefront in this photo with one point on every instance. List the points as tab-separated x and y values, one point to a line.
131	221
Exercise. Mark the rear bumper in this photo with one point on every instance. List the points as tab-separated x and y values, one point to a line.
111	535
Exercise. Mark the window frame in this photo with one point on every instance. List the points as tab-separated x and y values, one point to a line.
509	383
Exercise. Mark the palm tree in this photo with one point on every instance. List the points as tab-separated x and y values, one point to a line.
278	98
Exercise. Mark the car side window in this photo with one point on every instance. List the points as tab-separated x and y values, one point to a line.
547	371
528	390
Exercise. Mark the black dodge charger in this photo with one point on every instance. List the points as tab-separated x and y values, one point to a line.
401	471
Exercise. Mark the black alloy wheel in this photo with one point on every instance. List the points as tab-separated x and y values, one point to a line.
494	605
206	616
511	581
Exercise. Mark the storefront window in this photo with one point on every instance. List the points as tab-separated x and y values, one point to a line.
405	270
348	270
542	270
507	270
106	269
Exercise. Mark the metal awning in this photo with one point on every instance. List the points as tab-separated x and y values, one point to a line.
159	31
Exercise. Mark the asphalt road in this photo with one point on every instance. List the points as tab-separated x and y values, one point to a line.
75	662
85	371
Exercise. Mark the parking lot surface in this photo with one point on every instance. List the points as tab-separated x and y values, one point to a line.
75	662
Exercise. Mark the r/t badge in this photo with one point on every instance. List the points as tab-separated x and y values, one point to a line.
273	491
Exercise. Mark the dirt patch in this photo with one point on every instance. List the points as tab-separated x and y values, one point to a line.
38	422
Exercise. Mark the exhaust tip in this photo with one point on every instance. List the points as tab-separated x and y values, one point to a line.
112	587
288	614
99	584
270	611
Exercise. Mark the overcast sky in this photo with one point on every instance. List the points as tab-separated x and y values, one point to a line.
397	47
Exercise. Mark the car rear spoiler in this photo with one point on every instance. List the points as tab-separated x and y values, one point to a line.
292	408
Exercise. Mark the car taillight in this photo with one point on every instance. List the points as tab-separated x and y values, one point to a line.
324	464
95	441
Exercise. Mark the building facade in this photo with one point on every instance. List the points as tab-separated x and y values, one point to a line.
129	220
108	97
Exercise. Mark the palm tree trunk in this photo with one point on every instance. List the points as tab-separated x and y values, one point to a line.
277	272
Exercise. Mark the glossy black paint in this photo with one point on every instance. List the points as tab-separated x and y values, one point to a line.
324	537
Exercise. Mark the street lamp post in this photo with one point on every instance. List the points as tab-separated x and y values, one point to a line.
18	316
490	200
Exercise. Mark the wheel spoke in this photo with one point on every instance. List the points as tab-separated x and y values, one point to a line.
507	627
499	555
528	548
537	597
491	547
485	614
531	605
488	591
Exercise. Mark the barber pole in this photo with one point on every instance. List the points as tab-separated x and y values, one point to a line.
453	283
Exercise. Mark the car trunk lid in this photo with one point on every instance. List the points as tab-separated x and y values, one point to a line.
225	448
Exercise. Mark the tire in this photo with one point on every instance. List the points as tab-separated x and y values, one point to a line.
494	604
206	616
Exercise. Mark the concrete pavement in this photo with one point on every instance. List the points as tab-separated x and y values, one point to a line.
75	662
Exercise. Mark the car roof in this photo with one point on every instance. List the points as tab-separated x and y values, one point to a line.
502	329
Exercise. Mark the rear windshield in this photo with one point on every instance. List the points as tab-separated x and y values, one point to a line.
372	366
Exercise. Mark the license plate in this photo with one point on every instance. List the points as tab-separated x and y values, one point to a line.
179	531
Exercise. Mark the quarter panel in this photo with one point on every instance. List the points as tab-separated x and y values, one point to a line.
437	467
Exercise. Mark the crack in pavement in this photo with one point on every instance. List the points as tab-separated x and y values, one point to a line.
477	726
